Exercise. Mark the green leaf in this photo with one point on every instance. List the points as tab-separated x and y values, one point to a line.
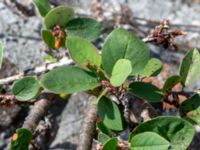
122	44
109	112
58	16
43	6
1	88
48	38
26	88
149	141
171	82
1	53
153	68
85	28
178	132
103	138
112	144
191	109
103	128
146	91
68	79
49	59
83	52
189	69
21	139
121	70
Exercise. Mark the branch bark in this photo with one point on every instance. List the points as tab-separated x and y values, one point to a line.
38	111
88	130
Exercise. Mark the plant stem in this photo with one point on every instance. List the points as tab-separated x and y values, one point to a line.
102	94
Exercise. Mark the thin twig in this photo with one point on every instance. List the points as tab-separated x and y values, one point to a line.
11	78
183	93
174	24
36	71
88	130
8	100
38	111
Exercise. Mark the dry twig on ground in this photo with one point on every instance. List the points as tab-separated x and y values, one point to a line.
88	130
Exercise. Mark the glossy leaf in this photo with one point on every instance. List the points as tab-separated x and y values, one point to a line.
111	144
178	132
85	28
103	138
153	68
189	70
43	6
146	91
123	44
68	79
83	52
48	38
110	115
26	88
21	139
149	141
121	70
1	53
191	109
103	128
171	82
58	16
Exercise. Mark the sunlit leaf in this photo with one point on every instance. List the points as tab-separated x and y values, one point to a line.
121	70
123	44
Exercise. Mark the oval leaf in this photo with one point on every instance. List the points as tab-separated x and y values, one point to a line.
109	112
68	79
121	70
189	70
26	88
103	138
174	130
83	52
21	139
149	141
43	6
1	53
58	16
112	144
153	68
146	91
48	38
191	109
85	28
104	129
171	82
122	44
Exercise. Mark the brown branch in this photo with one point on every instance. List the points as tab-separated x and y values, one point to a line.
88	130
152	39
187	94
38	111
9	100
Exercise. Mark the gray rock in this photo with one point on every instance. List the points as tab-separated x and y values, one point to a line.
21	36
71	121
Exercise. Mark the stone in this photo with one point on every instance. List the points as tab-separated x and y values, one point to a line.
71	121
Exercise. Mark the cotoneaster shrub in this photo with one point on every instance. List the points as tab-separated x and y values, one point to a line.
119	69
